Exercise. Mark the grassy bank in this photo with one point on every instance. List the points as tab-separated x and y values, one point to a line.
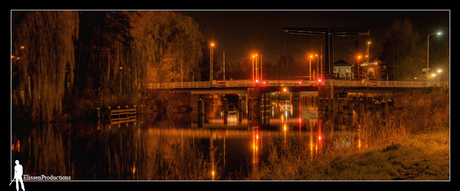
411	145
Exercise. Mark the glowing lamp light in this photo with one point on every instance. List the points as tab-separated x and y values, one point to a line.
300	82
319	80
263	82
284	89
257	81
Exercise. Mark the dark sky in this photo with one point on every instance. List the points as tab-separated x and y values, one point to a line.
240	33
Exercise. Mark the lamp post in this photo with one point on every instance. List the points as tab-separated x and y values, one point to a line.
439	73
311	56
367	59
317	67
253	79
359	57
428	52
211	63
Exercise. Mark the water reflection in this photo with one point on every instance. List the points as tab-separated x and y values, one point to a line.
179	147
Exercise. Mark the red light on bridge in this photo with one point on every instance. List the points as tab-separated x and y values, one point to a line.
257	81
264	83
300	82
319	80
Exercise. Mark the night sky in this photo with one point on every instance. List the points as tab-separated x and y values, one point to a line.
241	33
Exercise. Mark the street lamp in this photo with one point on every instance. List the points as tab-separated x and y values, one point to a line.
253	56
428	52
211	63
367	59
359	57
311	56
317	66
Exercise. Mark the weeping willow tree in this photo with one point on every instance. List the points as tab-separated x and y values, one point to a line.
168	43
95	58
42	61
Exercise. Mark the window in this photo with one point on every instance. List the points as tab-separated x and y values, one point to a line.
347	69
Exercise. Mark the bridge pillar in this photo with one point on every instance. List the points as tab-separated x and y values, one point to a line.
296	103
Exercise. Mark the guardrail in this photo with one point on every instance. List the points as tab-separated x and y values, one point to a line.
250	83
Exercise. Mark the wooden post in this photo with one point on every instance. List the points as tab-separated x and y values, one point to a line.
350	106
225	105
200	107
110	112
98	113
340	104
361	107
250	106
331	104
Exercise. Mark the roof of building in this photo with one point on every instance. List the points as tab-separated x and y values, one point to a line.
342	63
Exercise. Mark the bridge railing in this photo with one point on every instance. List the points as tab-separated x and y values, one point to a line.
250	83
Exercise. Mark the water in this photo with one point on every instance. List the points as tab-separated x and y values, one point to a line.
159	146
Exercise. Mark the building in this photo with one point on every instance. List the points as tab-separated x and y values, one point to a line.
342	70
373	67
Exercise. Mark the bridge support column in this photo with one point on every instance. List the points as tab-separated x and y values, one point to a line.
296	103
255	94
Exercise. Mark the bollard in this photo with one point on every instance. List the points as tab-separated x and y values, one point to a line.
225	105
350	106
340	105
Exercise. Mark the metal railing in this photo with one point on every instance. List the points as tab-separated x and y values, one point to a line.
250	83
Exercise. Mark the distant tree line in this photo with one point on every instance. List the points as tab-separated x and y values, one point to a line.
94	58
404	53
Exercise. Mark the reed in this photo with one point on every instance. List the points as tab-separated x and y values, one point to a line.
411	144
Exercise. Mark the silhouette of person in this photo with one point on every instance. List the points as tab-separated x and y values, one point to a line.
18	171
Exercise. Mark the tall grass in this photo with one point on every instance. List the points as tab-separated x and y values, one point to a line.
398	147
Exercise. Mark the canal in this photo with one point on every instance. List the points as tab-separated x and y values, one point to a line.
159	146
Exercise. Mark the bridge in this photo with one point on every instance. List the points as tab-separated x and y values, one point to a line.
296	84
259	91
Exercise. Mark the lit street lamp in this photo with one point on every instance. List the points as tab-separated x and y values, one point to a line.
359	57
428	52
311	56
211	64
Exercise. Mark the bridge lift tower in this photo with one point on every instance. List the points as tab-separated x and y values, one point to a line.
329	34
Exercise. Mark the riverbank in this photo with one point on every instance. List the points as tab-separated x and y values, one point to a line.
424	156
413	144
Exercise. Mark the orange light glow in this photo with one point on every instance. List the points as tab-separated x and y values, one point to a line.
300	82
